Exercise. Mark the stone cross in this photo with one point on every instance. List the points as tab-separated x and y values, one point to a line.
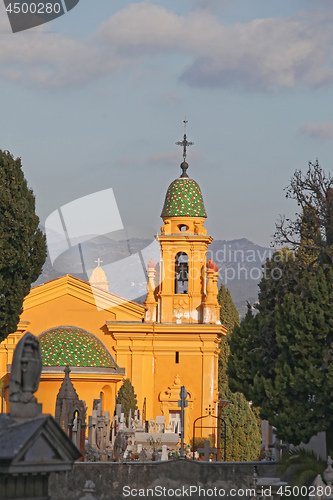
207	450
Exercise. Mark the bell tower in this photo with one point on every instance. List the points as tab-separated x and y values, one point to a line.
181	295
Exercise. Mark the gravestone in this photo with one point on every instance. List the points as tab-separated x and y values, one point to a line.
99	430
114	428
119	410
140	427
151	426
164	455
129	426
32	445
160	424
122	423
120	445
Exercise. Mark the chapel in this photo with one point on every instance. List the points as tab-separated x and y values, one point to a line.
170	341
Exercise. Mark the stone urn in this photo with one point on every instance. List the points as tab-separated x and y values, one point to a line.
89	488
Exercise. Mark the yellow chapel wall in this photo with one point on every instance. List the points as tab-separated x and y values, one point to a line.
44	310
148	354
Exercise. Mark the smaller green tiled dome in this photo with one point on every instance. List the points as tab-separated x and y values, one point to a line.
66	345
183	199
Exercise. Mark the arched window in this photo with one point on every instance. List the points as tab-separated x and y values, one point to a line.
181	273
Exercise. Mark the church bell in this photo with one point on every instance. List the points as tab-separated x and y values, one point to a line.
183	272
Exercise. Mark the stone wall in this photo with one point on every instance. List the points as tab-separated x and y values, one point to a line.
119	481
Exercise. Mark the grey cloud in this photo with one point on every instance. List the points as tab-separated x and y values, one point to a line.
261	54
320	130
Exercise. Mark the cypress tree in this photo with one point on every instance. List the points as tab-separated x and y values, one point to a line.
229	317
127	398
243	432
22	244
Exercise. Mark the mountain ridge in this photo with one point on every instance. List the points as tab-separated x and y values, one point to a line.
239	261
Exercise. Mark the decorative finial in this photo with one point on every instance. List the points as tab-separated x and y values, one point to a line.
98	261
184	143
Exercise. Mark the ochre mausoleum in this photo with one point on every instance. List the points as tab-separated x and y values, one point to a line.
170	341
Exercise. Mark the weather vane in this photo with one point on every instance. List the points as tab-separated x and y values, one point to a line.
184	143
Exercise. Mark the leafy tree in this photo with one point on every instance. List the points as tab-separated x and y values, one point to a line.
281	358
127	398
243	437
22	244
313	192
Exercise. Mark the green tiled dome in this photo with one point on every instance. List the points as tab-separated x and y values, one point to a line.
183	199
67	345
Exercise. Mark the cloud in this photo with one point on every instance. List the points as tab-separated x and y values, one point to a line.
49	60
263	54
321	130
43	58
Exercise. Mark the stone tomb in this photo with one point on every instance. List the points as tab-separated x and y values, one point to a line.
70	412
32	445
170	440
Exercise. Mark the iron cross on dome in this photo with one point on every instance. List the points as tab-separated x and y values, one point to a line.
184	142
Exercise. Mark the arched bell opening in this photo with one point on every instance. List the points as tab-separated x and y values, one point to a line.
181	273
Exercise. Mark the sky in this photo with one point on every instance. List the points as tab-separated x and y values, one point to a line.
95	100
